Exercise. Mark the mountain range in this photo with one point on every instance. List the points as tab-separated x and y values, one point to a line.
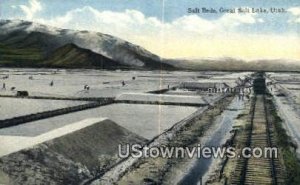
233	64
29	44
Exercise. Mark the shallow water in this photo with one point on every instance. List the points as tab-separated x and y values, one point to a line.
217	135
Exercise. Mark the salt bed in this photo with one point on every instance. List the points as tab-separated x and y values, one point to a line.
144	120
10	144
71	82
13	107
288	110
146	97
102	83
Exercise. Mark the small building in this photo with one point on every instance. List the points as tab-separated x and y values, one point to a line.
22	93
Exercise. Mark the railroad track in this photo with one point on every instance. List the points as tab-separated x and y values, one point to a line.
254	171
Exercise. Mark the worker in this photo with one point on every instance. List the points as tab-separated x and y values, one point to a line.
86	87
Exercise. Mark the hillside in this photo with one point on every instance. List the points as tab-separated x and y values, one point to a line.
71	56
19	57
43	40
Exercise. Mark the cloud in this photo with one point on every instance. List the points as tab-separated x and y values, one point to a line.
295	11
192	23
186	36
150	32
31	9
261	20
229	20
132	23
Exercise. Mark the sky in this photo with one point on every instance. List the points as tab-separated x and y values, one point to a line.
165	27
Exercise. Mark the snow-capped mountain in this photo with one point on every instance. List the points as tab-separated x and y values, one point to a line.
25	34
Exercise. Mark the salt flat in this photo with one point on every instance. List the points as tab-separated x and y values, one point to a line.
161	98
13	107
145	120
288	104
70	83
10	144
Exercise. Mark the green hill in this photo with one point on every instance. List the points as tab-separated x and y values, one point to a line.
67	56
19	57
71	56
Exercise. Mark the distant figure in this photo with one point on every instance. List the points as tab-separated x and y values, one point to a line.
241	96
133	78
248	97
4	86
168	86
13	88
6	77
86	87
51	83
123	83
30	78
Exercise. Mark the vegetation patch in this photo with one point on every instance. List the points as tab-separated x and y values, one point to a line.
287	148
